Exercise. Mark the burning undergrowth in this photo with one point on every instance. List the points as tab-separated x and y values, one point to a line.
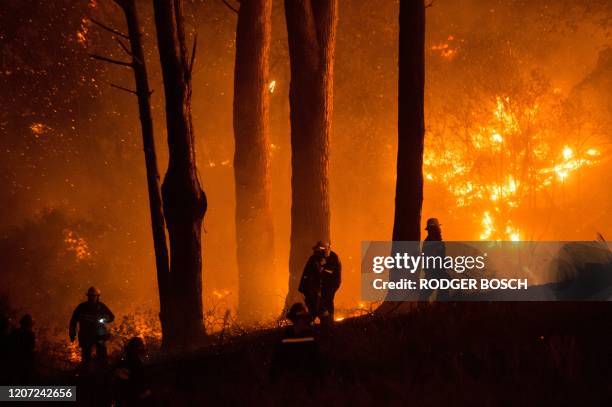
507	151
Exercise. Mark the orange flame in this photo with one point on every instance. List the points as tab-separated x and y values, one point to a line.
486	170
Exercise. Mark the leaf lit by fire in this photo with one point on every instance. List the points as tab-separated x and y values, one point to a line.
77	245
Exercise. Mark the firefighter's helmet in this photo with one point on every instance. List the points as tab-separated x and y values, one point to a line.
433	223
93	292
321	246
297	311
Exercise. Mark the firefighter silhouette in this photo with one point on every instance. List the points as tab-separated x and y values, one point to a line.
91	317
131	383
433	246
297	355
321	280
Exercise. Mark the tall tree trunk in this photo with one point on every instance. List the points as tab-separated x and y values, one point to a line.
410	141
254	227
155	200
183	198
411	122
311	27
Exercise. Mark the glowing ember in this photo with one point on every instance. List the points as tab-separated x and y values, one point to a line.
220	293
39	129
81	34
77	245
446	50
272	86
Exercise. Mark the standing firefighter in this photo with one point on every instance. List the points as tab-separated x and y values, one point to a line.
92	317
433	246
320	281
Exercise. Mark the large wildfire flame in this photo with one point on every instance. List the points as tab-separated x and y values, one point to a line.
501	163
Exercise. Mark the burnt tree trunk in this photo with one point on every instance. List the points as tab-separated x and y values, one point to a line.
411	122
254	226
155	200
184	200
311	27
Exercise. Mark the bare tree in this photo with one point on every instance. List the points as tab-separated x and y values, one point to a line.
410	143
311	27
184	200
143	93
254	226
411	122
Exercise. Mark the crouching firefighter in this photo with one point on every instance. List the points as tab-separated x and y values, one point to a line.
320	280
132	387
92	317
297	356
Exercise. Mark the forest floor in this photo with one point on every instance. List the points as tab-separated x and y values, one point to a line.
462	353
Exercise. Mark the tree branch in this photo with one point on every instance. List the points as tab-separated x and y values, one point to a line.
193	54
124	46
120	3
109	29
128	51
125	89
111	61
234	9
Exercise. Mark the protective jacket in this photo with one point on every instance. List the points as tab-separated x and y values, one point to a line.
320	280
92	318
321	276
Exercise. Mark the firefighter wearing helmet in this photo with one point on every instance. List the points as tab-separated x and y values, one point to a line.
297	356
433	246
320	280
91	317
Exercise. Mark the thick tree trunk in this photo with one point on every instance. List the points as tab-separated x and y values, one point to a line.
155	200
254	227
183	197
410	139
411	122
311	27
